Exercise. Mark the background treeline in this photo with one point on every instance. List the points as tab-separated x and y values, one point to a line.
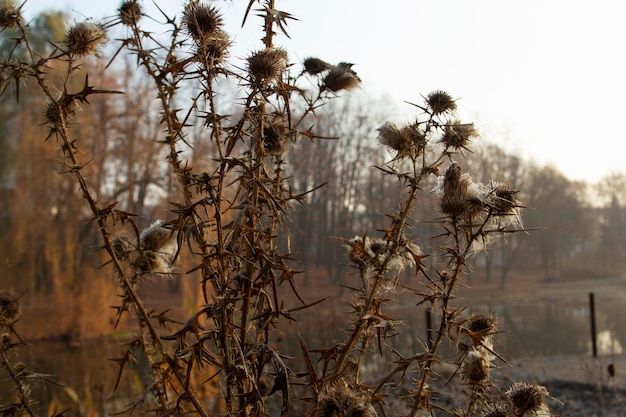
575	228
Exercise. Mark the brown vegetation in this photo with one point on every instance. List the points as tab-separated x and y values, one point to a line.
231	198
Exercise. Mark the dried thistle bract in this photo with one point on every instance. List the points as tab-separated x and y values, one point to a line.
129	12
10	308
409	140
314	66
440	102
85	38
10	16
213	49
457	135
341	77
200	20
267	65
528	398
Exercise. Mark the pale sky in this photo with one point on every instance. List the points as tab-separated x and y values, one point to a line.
542	77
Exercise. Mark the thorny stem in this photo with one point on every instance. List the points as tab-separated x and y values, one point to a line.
378	279
18	383
100	217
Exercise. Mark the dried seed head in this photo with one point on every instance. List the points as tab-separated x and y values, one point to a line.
341	400
274	137
267	65
454	201
361	252
56	113
85	38
498	410
200	20
123	246
503	198
10	16
341	77
155	237
129	12
440	102
314	66
475	368
10	308
527	398
213	49
390	135
457	135
5	341
158	249
482	323
410	140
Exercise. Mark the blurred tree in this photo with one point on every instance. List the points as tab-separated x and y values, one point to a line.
556	205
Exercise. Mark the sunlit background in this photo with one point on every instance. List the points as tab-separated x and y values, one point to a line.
544	79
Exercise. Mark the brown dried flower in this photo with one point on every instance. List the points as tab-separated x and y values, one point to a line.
341	77
56	113
457	135
200	20
314	66
158	248
341	400
409	140
274	138
475	368
390	135
267	65
85	38
129	12
10	308
482	323
213	48
10	16
454	200
503	198
123	246
527	398
440	102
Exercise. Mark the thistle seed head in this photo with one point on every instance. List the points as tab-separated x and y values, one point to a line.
314	66
213	49
454	201
274	138
409	140
267	65
10	308
85	38
200	20
158	249
457	135
341	400
527	398
129	12
482	323
56	113
390	135
341	77
475	368
10	16
503	198
440	102
123	246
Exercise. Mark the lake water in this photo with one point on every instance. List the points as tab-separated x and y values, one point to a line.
555	323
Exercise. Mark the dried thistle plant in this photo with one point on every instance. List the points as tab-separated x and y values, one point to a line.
230	218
